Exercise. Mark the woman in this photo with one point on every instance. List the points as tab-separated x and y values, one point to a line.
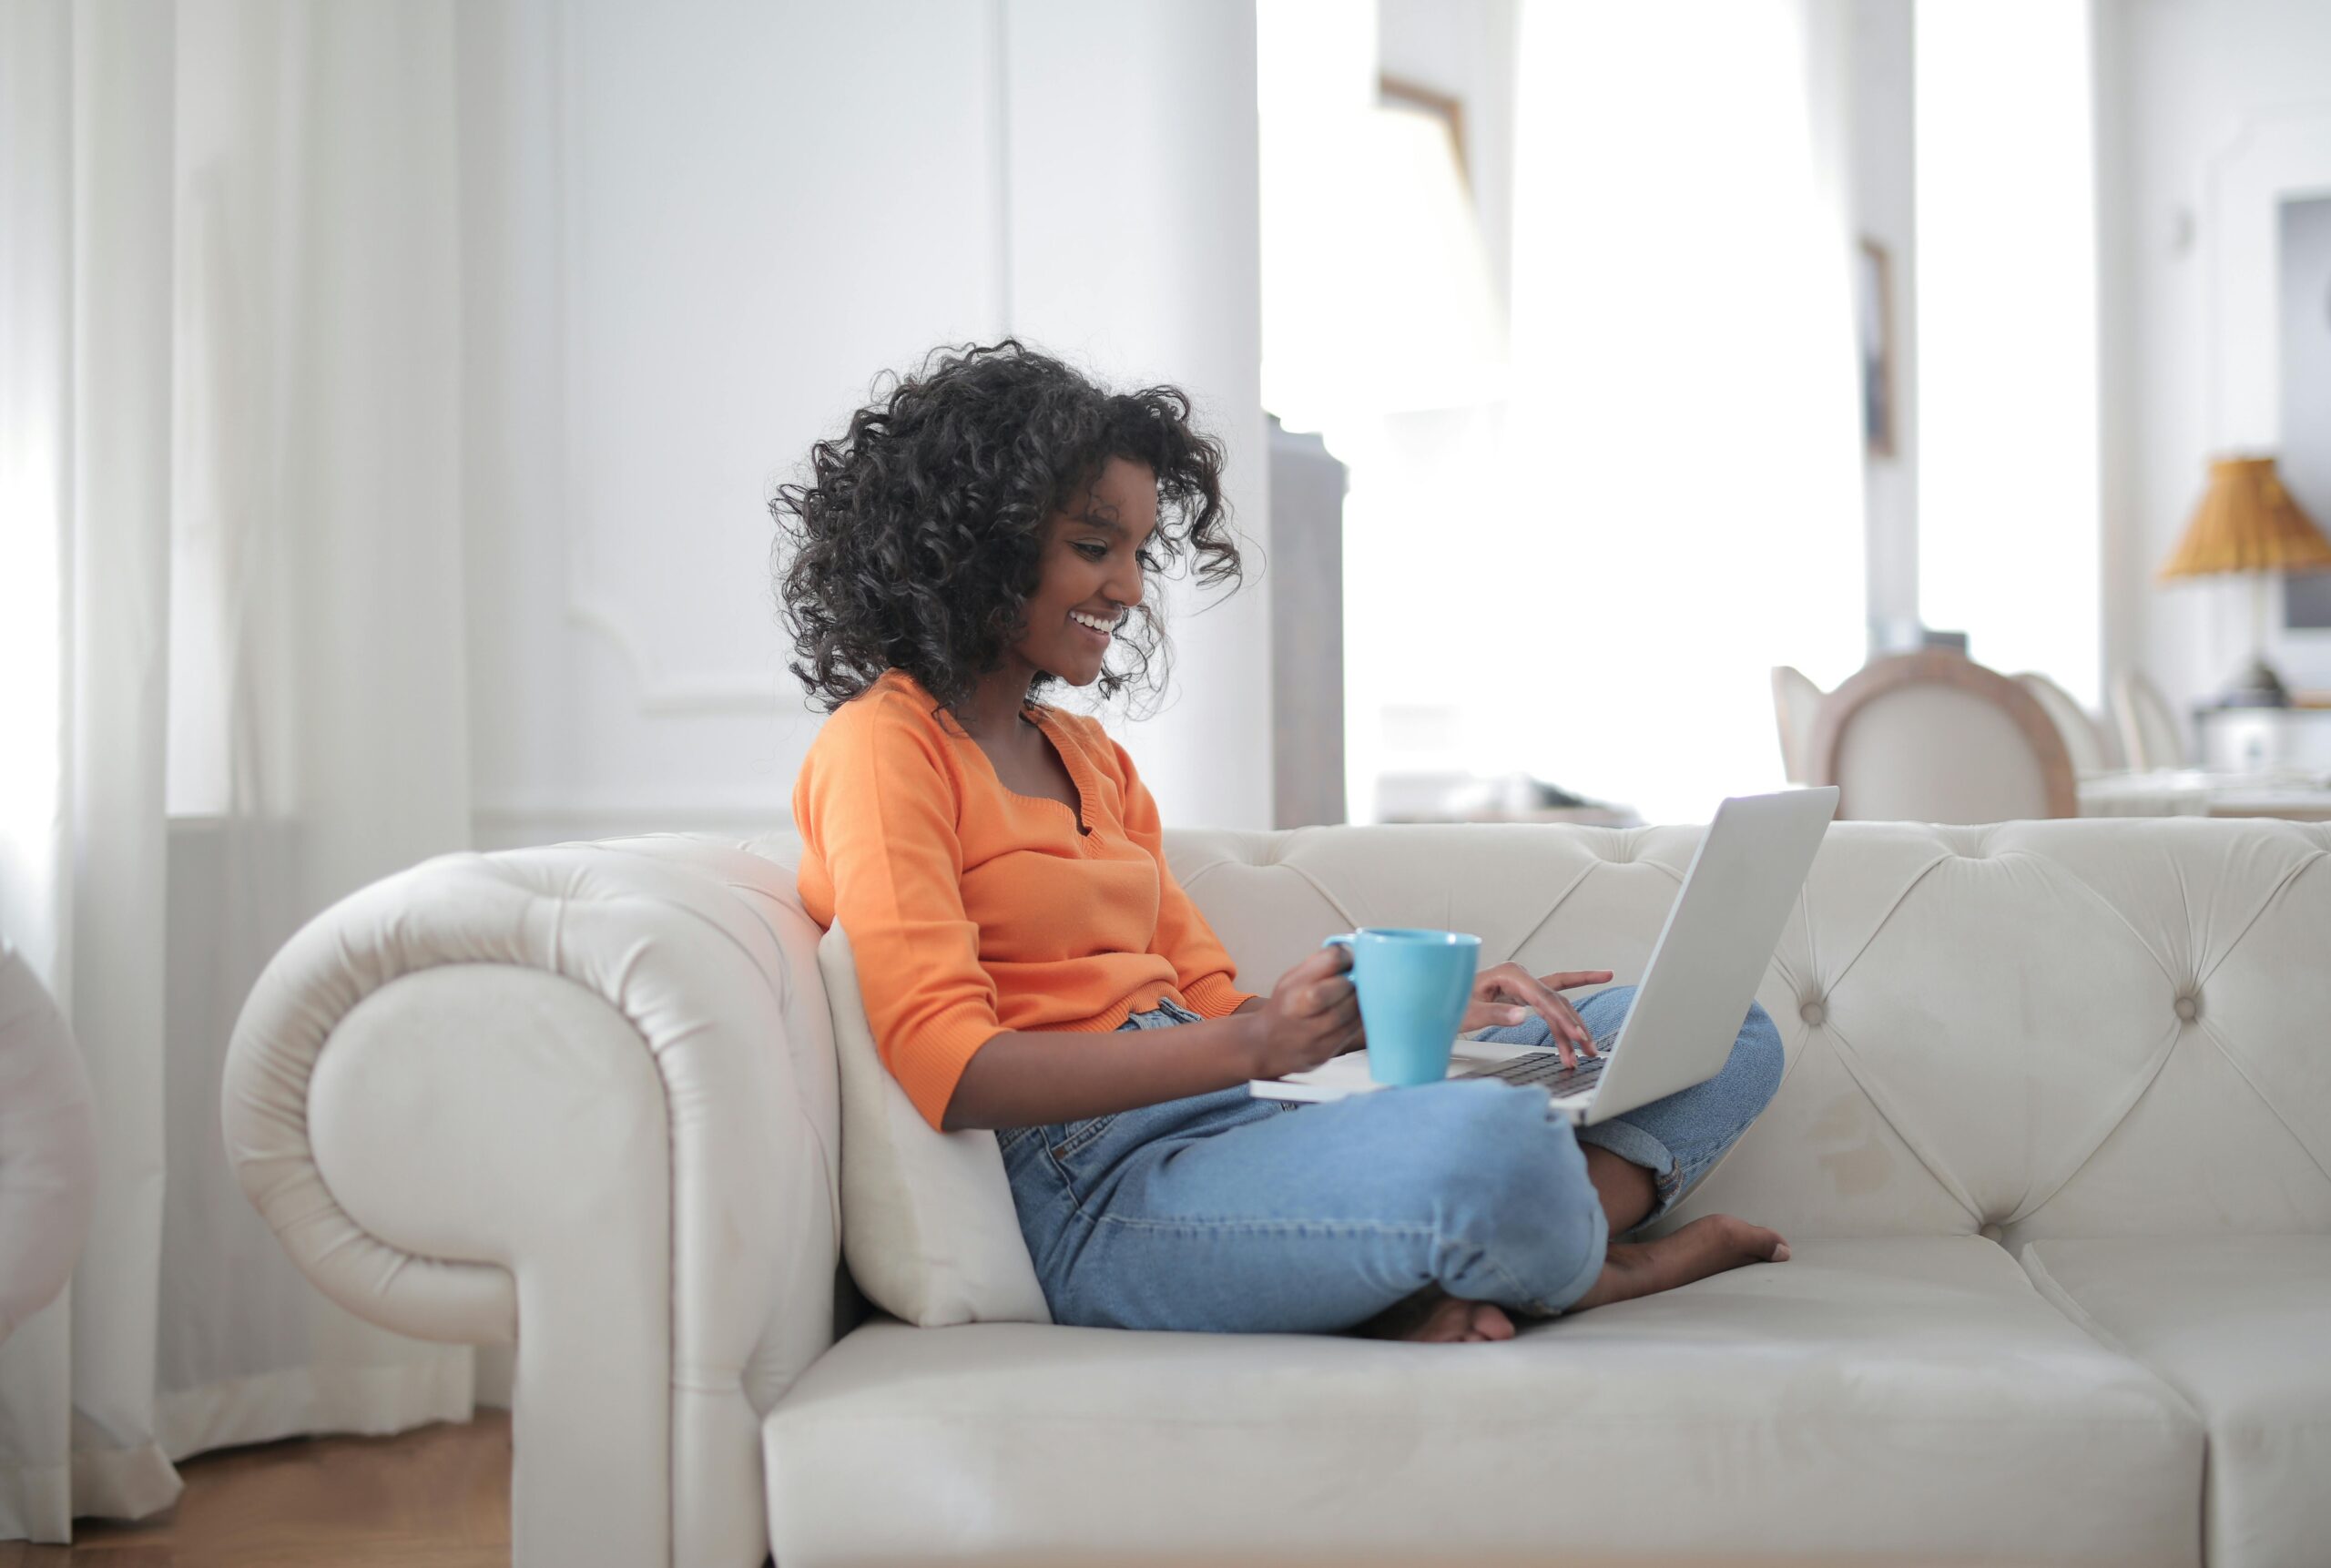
991	527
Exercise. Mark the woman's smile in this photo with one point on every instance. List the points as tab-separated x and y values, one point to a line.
1099	629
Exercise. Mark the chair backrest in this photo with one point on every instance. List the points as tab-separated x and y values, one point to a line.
2083	737
1795	703
2150	735
1932	737
48	1146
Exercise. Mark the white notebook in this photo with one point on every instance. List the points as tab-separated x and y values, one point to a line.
1348	1074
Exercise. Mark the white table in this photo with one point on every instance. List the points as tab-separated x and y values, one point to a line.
2298	795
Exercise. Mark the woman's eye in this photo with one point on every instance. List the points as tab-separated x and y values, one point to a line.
1093	550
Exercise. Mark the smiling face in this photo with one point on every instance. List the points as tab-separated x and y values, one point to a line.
1090	576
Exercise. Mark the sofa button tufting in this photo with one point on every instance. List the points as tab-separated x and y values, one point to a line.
1813	1012
2188	1009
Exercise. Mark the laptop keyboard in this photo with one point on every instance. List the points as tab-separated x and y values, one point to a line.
1545	1068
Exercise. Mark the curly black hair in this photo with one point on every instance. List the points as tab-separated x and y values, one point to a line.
917	541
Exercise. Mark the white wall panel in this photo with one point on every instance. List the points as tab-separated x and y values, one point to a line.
693	234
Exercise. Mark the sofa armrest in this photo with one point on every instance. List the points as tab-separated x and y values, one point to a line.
584	1095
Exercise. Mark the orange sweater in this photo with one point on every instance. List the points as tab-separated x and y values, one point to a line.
973	909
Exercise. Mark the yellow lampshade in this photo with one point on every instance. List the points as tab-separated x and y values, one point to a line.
2248	523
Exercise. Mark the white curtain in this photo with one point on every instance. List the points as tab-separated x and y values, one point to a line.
1682	504
231	655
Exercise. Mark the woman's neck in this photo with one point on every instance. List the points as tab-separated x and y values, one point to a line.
991	712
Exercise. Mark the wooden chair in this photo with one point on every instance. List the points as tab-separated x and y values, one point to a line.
2086	739
1933	736
2150	735
1795	701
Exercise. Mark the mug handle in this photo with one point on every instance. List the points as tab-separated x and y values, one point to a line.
1342	939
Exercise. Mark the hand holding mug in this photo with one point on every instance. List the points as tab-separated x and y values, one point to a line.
1311	1015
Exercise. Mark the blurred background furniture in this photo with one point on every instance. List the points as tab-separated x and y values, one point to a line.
2083	737
2251	739
1931	736
1795	701
1307	591
2292	795
48	1147
1458	796
2247	525
2150	735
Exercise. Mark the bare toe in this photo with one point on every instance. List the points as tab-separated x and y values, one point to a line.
1432	1316
1450	1321
1490	1321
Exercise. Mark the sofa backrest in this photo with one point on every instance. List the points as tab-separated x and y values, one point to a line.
2105	1027
2071	1028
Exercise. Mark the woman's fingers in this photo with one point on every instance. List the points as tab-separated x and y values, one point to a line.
1563	981
1569	978
1570	1034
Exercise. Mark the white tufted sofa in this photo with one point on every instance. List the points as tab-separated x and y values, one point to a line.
2050	1155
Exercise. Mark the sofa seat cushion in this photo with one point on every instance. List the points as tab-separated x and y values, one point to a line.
1870	1397
2241	1326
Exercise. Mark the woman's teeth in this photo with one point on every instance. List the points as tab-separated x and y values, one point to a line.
1089	623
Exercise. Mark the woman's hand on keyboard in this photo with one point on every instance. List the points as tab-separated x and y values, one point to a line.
1311	1017
1507	993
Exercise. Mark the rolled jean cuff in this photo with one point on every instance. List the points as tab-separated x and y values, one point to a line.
1597	1246
1635	1146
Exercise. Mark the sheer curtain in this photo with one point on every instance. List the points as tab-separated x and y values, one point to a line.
1680	498
231	655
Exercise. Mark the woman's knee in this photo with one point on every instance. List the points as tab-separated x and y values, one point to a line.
1504	1170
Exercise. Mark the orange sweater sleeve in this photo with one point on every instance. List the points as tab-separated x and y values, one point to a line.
880	804
1202	968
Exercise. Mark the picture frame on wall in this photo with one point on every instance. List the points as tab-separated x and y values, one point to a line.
1874	334
2304	237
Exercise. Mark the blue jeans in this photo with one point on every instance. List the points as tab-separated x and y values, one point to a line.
1228	1214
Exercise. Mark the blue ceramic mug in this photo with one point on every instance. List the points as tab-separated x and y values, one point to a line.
1413	986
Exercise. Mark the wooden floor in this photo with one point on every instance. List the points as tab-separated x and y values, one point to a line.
440	1498
435	1498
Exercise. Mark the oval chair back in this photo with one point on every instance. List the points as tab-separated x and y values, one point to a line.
1797	702
2086	738
1932	737
2150	735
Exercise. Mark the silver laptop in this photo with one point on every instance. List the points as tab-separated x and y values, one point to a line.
1719	936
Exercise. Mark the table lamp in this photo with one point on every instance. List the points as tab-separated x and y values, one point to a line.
2248	523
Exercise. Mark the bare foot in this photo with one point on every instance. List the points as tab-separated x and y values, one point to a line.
1707	1246
1434	1316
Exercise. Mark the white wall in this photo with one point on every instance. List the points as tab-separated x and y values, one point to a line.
693	235
2195	101
2011	537
1885	208
1135	246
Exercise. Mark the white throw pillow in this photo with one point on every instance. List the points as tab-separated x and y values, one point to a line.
927	1221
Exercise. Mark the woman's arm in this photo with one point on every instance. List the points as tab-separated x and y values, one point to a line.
1029	1077
1032	1077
